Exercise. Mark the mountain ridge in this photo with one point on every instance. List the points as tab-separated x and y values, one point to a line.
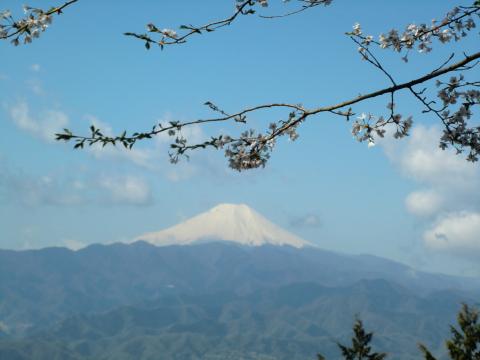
289	322
42	286
132	301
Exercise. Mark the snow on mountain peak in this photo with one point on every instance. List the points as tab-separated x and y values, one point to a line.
225	222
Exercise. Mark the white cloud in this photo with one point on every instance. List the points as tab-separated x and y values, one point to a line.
457	232
423	160
449	182
144	158
19	187
36	87
45	127
424	203
74	245
309	220
150	155
449	196
127	190
26	189
35	67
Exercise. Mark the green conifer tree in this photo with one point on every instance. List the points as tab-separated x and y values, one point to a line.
360	348
465	342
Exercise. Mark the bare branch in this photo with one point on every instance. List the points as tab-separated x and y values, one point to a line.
170	37
308	5
243	7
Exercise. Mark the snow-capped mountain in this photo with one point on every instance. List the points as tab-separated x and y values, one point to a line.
226	222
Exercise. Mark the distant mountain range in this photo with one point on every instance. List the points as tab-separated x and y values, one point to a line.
232	299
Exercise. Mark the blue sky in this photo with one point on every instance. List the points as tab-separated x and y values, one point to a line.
325	187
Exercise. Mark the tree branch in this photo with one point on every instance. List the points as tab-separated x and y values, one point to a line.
37	20
251	150
243	7
405	85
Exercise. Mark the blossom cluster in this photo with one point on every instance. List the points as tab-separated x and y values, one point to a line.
250	150
454	26
168	33
165	35
458	133
253	150
367	126
26	29
457	96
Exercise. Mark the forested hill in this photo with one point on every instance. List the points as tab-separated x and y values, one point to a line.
215	301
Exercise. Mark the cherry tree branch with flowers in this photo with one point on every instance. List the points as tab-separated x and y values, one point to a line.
456	96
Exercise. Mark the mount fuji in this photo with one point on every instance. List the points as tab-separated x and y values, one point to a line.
225	222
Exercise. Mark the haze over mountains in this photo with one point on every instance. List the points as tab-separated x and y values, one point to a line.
255	292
